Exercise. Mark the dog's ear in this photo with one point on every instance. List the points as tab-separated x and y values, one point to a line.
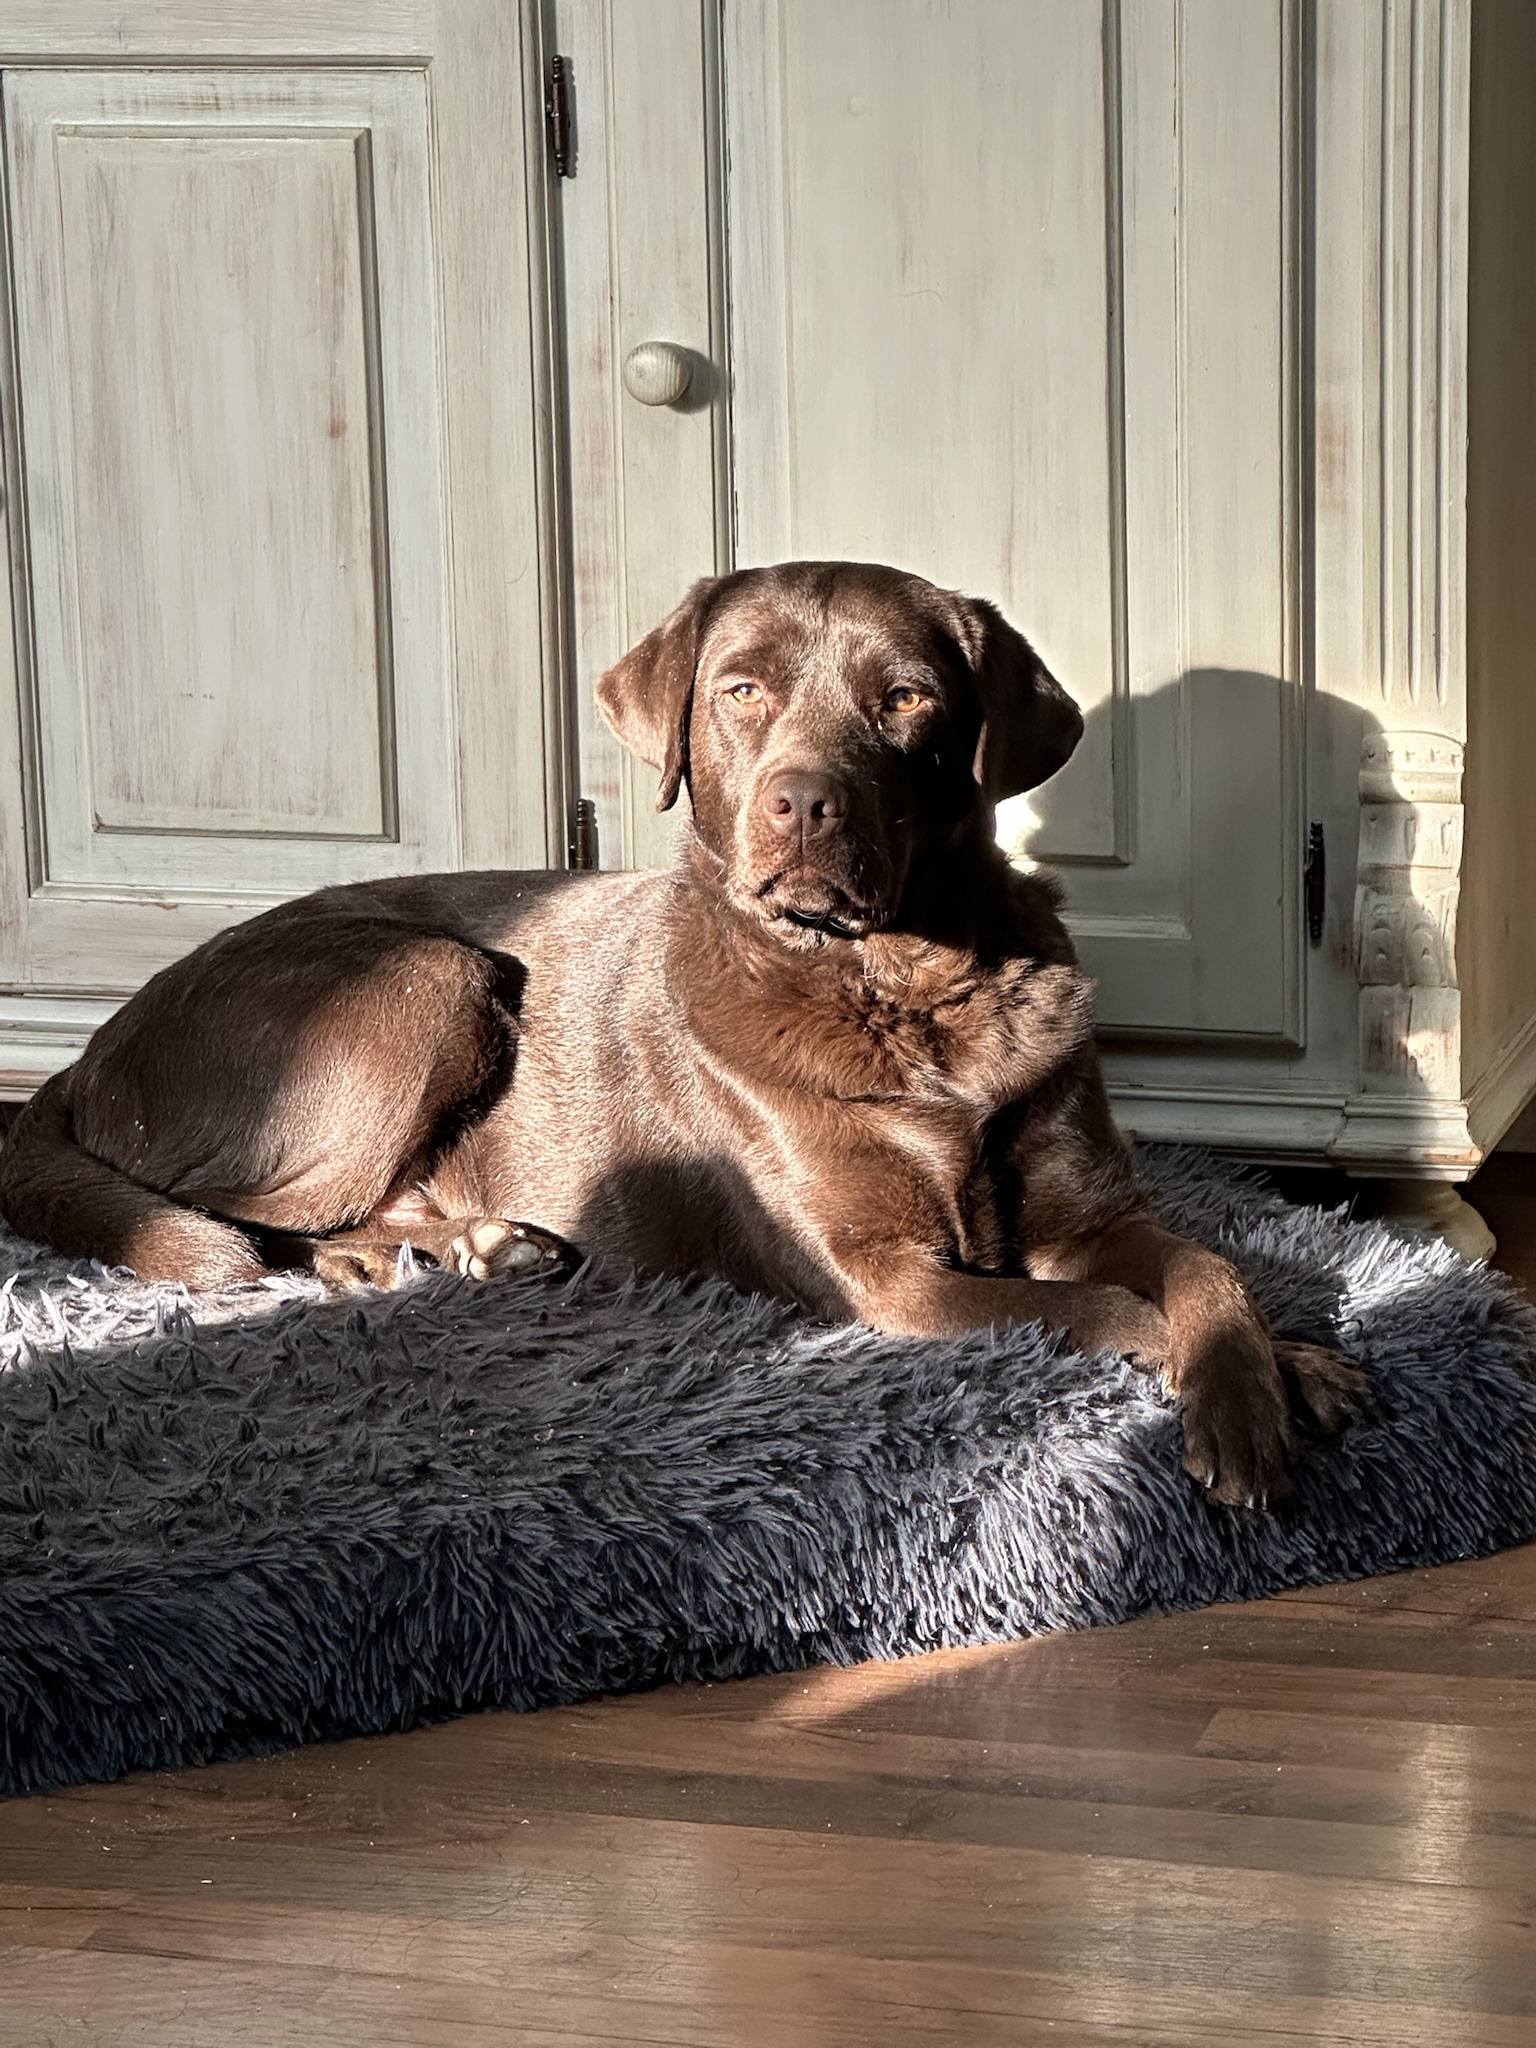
647	696
1029	725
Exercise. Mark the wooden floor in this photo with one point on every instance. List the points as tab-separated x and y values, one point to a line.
1312	1819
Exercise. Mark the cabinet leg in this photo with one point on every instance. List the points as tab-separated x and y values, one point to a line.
1433	1208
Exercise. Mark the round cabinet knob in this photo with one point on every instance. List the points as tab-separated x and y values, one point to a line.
657	372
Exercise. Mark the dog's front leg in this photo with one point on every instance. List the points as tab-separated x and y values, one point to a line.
917	1296
1239	1389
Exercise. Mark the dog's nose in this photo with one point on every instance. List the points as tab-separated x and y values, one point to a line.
803	804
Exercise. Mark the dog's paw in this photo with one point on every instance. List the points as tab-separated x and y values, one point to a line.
1327	1392
490	1246
1238	1433
1113	1319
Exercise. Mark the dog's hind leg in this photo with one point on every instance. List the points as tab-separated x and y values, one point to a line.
284	1079
390	1068
55	1191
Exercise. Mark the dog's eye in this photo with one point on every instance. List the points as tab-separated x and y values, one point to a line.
747	693
904	698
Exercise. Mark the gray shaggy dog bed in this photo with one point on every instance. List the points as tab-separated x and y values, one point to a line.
230	1525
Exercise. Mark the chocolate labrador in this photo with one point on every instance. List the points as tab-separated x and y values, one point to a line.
842	1052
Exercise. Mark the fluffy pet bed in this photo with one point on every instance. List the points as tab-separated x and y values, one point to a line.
230	1525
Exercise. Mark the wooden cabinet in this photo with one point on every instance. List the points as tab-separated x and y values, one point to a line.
1197	333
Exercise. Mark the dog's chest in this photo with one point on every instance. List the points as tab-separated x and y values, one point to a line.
970	1042
943	1169
907	1096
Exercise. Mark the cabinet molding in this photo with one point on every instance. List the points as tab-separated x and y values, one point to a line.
1422	358
1407	884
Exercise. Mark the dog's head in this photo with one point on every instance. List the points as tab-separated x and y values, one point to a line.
832	721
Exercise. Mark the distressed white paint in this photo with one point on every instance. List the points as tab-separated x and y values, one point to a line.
1011	305
647	496
237	529
923	345
1114	428
233	648
280	499
1233	462
1408	1105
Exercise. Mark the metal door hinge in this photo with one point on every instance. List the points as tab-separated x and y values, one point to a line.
557	112
1314	877
583	850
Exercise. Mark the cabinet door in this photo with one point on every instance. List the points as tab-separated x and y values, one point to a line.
1011	303
280	603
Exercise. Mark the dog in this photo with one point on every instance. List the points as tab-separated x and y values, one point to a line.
841	1053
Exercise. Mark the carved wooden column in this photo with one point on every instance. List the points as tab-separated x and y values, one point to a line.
1406	886
1406	1115
1407	883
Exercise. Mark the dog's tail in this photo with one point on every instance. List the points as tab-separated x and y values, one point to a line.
53	1190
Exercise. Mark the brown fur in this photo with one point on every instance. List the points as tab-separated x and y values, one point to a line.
842	1052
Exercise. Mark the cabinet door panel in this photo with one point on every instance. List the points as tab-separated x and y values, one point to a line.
280	470
233	665
219	334
1011	305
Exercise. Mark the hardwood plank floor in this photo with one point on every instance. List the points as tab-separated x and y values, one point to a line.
1310	1819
